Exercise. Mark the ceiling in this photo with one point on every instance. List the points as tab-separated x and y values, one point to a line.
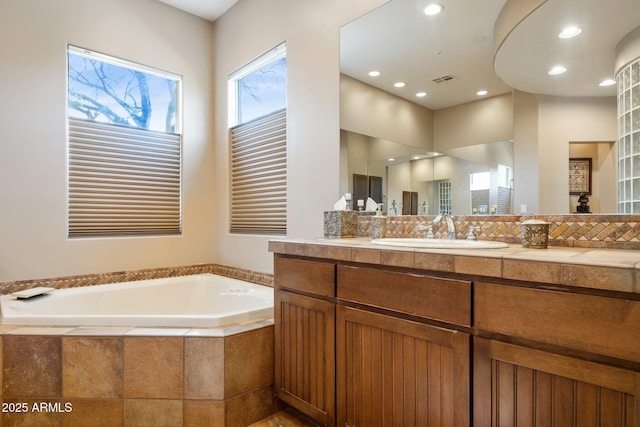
207	9
404	44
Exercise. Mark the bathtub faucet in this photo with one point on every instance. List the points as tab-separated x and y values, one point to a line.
451	226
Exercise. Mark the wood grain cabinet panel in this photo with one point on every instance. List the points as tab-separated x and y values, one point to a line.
395	372
426	296
307	276
516	386
304	354
595	324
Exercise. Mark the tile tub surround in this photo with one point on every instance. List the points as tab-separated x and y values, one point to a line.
575	267
139	376
128	276
577	230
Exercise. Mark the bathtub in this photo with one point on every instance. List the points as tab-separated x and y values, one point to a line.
203	300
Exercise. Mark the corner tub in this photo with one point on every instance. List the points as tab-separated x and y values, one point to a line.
203	300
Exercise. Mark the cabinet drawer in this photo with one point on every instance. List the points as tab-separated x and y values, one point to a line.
308	276
425	296
595	324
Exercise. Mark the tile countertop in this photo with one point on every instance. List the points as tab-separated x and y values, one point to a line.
605	269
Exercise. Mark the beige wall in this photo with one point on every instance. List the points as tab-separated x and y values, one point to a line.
311	31
565	120
33	39
370	111
478	122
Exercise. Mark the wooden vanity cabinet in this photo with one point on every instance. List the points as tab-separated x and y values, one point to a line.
521	386
366	346
304	317
534	385
394	366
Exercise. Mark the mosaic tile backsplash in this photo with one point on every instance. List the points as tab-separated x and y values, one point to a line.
595	231
128	276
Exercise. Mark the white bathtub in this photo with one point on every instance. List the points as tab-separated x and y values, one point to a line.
204	300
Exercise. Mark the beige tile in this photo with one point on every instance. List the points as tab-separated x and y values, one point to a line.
32	366
153	412
491	267
533	271
437	262
314	250
153	367
342	253
92	367
198	413
249	361
94	413
250	407
204	368
615	279
398	258
366	255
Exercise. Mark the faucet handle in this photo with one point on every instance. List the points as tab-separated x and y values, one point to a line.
471	235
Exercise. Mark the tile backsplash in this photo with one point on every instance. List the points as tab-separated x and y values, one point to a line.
128	276
589	230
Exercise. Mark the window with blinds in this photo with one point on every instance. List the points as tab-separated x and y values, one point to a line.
124	152
258	145
259	175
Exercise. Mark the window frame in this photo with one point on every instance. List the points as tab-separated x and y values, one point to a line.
257	171
111	192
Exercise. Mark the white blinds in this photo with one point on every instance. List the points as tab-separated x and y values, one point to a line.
122	180
259	175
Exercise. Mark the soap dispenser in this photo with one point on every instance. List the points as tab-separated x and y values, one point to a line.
378	224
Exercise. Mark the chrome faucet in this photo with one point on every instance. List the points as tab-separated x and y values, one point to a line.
451	226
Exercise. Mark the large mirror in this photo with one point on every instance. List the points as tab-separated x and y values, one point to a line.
465	120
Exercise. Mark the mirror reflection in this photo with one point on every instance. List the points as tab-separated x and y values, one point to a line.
457	149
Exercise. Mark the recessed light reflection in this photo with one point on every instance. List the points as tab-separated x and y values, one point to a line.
391	159
433	9
421	94
569	32
374	73
607	82
558	69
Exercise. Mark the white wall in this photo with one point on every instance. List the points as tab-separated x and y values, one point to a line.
33	40
311	31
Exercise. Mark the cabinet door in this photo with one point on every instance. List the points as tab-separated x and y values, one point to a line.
395	372
518	386
304	354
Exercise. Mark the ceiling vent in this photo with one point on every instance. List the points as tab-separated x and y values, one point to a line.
445	79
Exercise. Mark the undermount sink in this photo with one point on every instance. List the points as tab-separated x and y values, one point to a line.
438	243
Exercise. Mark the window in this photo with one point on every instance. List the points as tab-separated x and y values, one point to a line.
124	147
480	181
258	146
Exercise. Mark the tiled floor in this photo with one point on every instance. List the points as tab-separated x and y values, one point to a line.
286	418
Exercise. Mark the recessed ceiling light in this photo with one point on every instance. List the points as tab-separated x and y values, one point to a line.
569	32
481	92
558	69
421	94
433	9
399	84
374	73
607	82
391	159
416	157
